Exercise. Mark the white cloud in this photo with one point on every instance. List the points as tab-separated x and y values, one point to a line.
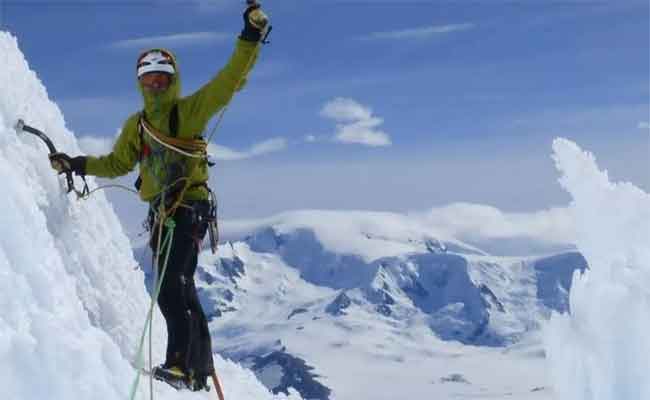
476	223
504	233
317	138
346	110
356	123
418	33
644	125
227	154
268	146
363	132
507	234
100	145
97	145
175	40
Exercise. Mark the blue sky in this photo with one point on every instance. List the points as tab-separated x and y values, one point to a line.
381	105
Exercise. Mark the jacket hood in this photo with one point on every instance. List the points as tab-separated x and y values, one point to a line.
159	104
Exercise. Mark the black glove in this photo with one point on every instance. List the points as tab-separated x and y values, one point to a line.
63	163
255	23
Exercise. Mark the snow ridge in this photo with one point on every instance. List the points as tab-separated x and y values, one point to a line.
599	351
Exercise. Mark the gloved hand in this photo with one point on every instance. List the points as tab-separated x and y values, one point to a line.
63	163
256	22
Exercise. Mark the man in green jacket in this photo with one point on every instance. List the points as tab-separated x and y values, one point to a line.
165	140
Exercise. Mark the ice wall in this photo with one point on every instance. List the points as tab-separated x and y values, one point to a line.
600	350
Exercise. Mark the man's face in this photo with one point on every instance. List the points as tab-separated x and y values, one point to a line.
155	82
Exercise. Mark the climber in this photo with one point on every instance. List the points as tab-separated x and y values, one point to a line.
165	139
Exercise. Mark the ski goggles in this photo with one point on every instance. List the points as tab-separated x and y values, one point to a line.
156	60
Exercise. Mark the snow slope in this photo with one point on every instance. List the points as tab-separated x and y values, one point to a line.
600	350
72	300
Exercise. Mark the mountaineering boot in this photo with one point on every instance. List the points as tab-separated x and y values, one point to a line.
173	376
199	383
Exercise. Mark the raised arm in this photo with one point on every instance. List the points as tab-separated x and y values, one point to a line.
214	95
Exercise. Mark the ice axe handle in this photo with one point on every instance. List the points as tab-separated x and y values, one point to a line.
22	127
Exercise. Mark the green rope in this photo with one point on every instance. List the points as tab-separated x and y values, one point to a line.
170	224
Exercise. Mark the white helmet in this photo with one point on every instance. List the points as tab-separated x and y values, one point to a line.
156	60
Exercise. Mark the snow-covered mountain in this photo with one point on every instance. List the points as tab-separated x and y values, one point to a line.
315	299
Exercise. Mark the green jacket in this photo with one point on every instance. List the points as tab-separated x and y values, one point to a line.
160	166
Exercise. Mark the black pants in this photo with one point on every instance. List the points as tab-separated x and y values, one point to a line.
188	337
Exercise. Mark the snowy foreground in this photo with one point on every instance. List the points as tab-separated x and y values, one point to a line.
72	298
319	305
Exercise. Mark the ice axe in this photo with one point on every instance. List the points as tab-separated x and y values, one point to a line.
22	127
